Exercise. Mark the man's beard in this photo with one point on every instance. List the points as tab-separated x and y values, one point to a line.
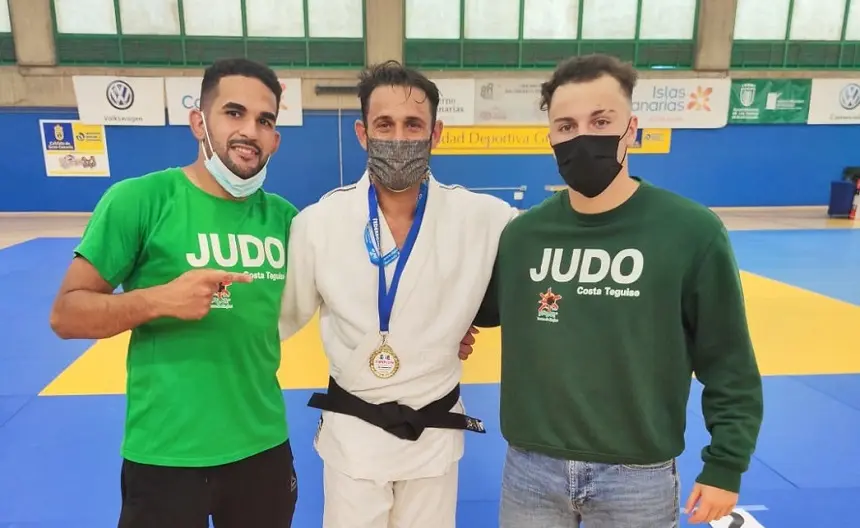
245	174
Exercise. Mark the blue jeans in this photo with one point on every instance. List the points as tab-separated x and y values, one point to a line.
543	492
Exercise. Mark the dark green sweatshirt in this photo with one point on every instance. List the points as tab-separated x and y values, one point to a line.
605	318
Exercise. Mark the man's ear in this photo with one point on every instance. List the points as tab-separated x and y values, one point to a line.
632	129
549	142
195	121
277	144
361	133
436	135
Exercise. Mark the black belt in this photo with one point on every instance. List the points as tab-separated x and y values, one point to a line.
401	421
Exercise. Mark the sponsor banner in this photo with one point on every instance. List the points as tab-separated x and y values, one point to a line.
682	103
834	102
456	102
769	101
183	94
71	148
291	112
497	141
508	102
658	103
652	141
123	101
493	141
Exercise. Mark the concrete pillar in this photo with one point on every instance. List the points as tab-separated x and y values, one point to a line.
384	30
33	31
716	26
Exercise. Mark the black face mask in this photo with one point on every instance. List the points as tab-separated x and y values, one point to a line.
588	164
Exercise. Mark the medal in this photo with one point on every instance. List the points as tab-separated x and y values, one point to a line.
384	363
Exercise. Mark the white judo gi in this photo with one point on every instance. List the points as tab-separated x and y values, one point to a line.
374	479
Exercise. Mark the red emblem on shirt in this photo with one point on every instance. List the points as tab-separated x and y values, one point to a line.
222	290
548	301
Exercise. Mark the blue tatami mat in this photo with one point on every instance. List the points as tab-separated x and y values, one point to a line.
822	261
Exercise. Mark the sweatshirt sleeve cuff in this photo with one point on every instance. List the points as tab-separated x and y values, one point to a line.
720	477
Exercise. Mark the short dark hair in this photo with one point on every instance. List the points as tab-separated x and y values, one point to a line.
585	68
392	73
243	67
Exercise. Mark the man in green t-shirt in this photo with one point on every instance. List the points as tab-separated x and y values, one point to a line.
611	295
200	253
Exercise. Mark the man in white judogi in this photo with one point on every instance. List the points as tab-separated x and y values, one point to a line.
392	428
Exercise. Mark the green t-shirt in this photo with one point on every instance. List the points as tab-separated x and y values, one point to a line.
604	319
199	393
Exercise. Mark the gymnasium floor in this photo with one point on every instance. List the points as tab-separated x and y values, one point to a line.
61	403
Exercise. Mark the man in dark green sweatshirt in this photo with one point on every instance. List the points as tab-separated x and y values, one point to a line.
611	295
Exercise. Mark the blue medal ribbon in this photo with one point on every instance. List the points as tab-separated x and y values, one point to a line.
387	295
373	251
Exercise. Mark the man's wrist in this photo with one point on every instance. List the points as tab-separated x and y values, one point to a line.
153	302
720	477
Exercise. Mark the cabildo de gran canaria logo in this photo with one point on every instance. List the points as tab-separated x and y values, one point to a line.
668	98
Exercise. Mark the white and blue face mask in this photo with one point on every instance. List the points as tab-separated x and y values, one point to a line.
237	186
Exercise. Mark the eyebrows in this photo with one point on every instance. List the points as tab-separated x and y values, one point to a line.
595	114
409	119
230	105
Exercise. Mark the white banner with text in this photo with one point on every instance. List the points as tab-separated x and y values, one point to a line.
122	101
183	94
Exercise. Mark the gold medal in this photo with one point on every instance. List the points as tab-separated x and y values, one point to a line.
384	363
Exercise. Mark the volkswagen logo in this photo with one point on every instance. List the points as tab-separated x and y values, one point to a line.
849	97
120	95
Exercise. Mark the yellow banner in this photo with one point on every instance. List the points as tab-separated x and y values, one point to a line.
467	140
89	138
653	141
493	140
72	148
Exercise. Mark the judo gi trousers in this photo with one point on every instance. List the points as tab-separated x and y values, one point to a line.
419	503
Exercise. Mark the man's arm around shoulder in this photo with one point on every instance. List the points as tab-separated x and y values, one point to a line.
301	298
488	315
